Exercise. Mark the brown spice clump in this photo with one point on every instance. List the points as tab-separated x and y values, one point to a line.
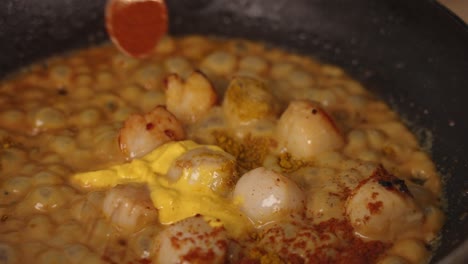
289	164
249	153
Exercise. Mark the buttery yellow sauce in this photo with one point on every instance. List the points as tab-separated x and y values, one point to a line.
314	169
174	201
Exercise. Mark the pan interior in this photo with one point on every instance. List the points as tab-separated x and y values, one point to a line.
411	54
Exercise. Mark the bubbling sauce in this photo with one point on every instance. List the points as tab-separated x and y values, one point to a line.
317	168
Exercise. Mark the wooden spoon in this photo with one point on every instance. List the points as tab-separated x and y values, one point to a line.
136	26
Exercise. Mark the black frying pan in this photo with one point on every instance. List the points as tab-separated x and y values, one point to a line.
414	54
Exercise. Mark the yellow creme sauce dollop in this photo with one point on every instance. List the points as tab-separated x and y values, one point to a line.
176	200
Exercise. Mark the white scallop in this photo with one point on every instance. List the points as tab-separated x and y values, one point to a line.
381	208
129	207
267	196
305	130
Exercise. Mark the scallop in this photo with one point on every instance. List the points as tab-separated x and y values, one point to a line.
382	208
248	100
306	130
189	99
217	169
129	207
266	196
141	134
